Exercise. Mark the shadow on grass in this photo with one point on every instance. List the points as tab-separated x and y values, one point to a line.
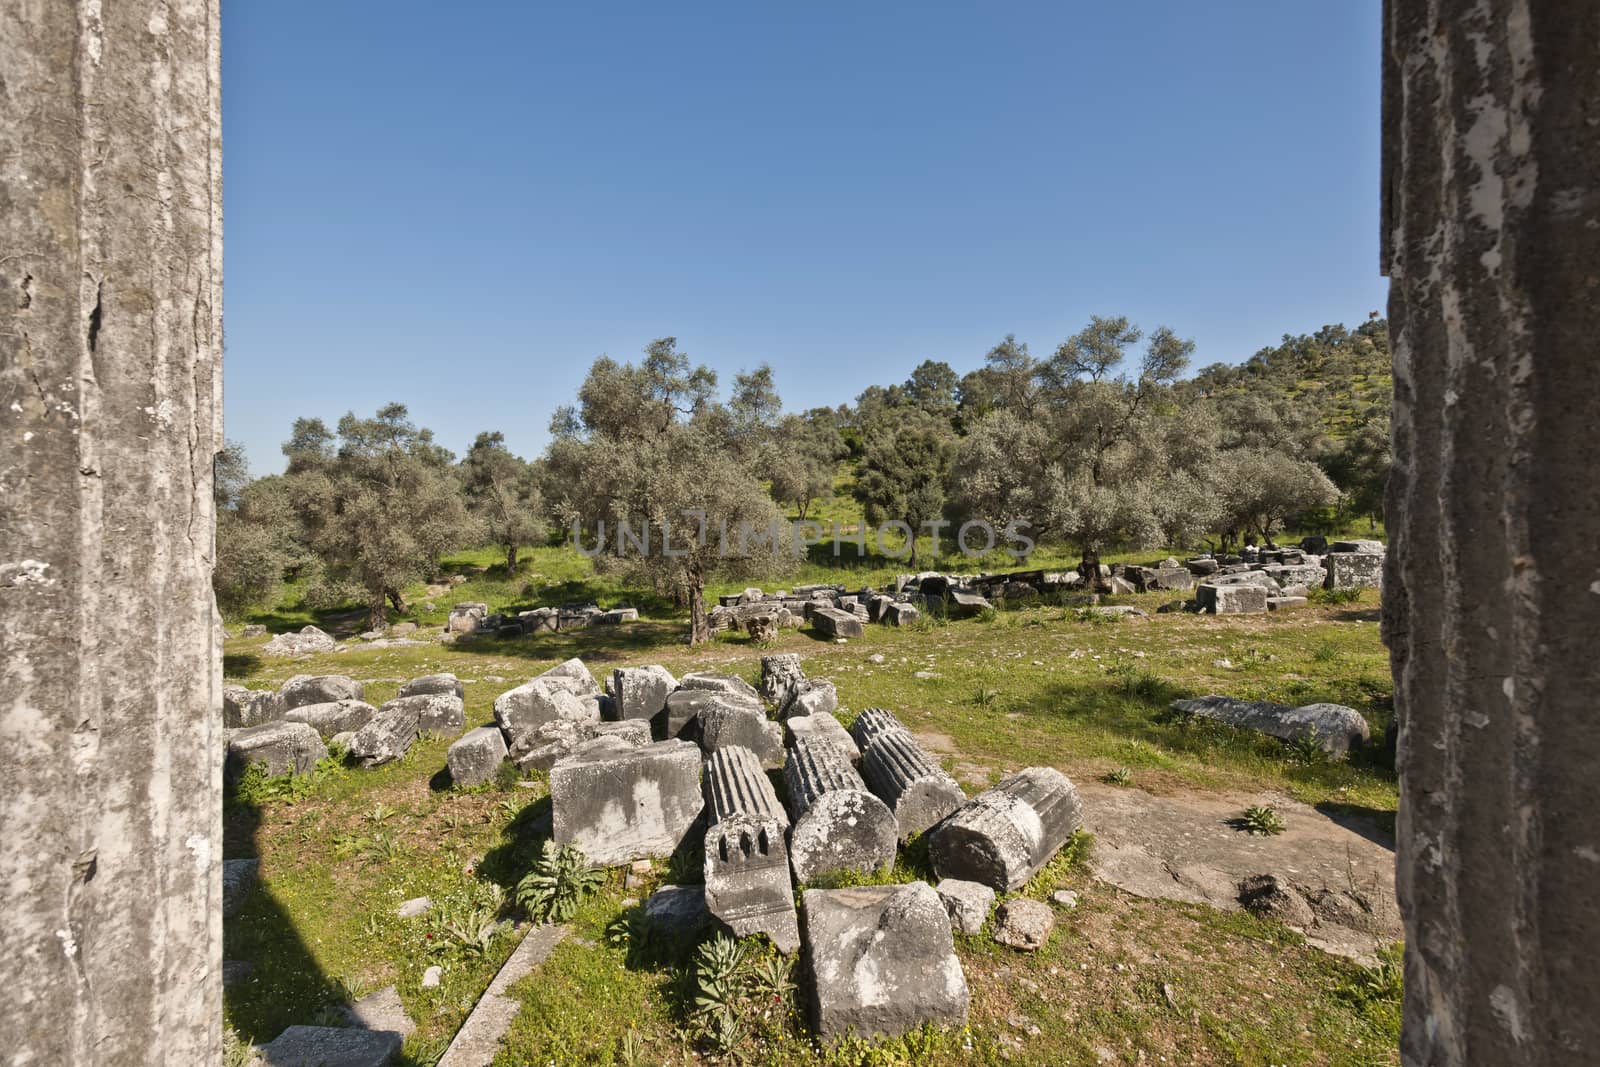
240	664
284	985
598	643
1136	705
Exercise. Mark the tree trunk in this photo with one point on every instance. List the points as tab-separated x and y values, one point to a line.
377	613
395	599
1490	600
110	646
699	626
1089	568
511	560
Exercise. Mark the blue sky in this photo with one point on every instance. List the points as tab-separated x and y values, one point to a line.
459	206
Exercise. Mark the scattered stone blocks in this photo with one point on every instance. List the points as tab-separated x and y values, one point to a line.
882	960
243	707
387	735
778	674
809	696
901	613
437	713
748	886
1025	924
279	747
323	1046
832	622
967	904
723	725
546	699
1231	599
1335	728
619	803
305	689
837	824
332	719
476	755
872	724
1354	570
910	782
641	692
1003	836
821	727
429	684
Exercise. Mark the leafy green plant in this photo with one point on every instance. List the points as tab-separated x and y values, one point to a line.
1260	820
384	848
1119	776
1343	595
1306	752
560	881
380	813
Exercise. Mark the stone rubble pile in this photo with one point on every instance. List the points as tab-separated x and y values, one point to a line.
287	730
469	618
1261	579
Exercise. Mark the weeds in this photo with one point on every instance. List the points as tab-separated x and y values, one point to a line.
1119	776
561	880
1259	820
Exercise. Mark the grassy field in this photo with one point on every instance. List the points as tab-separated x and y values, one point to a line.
1123	981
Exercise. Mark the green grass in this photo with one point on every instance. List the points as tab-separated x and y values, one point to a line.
1033	685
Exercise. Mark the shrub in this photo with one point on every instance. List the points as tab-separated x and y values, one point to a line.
1259	820
561	880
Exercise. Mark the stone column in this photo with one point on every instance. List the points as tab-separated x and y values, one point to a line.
1491	239
110	412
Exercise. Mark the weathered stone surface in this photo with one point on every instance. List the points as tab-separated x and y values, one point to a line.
388	735
330	720
1150	579
1002	837
811	696
279	747
677	910
411	909
1025	924
882	961
837	825
723	725
1273	896
331	1046
476	755
254	629
1286	603
305	689
967	904
832	622
1365	547
680	716
1231	599
1335	728
910	782
620	803
779	673
1246	577
872	724
1353	570
437	713
238	879
641	692
737	784
523	710
306	640
467	617
748	886
821	727
1290	574
429	684
960	604
635	732
579	680
381	1010
721	683
243	707
1203	567
901	613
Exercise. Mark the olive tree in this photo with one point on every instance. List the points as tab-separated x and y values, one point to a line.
658	480
377	512
503	493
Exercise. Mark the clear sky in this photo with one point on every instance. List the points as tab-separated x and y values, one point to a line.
458	206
